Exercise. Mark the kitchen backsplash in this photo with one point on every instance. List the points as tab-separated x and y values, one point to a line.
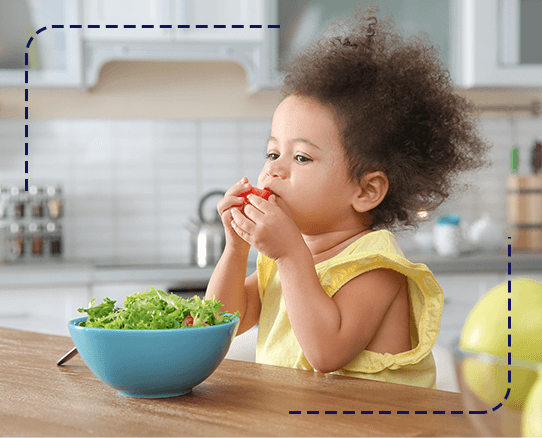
129	185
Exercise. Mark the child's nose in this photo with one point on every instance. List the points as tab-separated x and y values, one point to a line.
275	170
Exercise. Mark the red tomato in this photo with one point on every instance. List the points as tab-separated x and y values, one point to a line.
262	193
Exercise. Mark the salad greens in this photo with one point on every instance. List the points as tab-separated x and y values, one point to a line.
156	309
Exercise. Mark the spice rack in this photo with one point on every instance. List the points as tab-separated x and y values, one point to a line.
31	222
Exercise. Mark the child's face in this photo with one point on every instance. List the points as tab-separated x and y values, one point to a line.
309	179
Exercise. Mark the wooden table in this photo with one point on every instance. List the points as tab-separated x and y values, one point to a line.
39	398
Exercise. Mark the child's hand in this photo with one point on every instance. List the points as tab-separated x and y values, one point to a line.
233	201
267	228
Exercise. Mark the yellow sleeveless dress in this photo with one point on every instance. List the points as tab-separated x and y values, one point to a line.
277	344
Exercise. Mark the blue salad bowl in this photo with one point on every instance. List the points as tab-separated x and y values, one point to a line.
153	363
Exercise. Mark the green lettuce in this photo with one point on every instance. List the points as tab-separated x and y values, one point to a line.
155	309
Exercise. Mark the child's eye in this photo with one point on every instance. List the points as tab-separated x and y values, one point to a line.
272	156
302	159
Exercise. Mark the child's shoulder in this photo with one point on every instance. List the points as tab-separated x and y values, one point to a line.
376	241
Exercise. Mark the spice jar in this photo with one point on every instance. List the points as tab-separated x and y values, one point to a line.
4	242
16	240
18	200
36	238
54	202
4	195
36	201
54	237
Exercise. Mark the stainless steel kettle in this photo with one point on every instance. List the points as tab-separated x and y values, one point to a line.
208	238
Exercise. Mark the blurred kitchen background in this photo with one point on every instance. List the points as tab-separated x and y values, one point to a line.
129	128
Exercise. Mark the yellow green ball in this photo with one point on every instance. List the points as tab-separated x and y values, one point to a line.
531	419
486	331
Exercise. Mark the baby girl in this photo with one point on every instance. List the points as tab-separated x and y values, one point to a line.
369	133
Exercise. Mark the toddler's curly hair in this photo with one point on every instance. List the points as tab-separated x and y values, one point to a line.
396	110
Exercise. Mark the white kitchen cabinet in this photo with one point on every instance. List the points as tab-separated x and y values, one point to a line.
484	43
54	54
124	14
174	20
303	21
211	34
220	21
496	43
41	309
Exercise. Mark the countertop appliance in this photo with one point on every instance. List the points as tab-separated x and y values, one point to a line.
208	238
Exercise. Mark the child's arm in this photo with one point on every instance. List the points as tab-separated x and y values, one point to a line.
234	291
333	331
330	331
228	281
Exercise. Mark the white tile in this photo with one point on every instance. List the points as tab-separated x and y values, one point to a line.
178	153
88	172
260	127
94	188
224	144
103	236
12	128
176	189
144	221
137	235
12	147
94	149
53	146
132	129
177	175
167	206
134	188
129	205
174	128
94	222
136	150
174	253
218	127
55	128
82	129
85	205
128	179
254	145
100	252
214	184
60	173
171	258
171	224
137	252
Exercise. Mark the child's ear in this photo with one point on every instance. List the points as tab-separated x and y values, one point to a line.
372	190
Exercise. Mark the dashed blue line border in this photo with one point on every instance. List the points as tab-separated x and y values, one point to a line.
259	26
388	412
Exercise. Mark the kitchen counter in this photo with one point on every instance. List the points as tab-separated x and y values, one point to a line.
484	263
68	273
238	399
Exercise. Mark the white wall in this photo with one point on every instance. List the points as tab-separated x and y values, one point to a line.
129	184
